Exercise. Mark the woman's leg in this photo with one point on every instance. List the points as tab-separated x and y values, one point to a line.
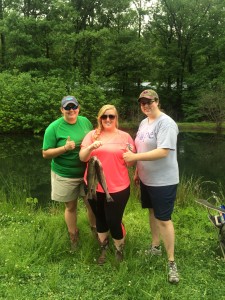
71	221
153	222
114	215
168	236
97	207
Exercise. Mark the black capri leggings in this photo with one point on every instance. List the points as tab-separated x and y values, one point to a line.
109	214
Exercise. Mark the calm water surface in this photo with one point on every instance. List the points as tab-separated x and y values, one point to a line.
199	155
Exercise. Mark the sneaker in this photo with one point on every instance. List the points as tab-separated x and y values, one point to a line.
155	250
173	275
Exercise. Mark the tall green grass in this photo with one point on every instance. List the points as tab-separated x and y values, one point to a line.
36	262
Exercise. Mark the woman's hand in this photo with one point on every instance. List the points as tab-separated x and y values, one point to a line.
70	145
95	145
85	152
129	156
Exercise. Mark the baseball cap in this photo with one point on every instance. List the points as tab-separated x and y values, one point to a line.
149	94
69	99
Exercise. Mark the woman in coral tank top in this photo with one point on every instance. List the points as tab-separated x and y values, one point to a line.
108	144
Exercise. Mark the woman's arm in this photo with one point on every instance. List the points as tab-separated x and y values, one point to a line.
85	152
145	156
54	152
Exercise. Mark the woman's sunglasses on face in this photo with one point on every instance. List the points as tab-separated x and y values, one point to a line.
111	117
69	107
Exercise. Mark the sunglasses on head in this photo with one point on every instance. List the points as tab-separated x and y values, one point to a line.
111	117
69	107
146	101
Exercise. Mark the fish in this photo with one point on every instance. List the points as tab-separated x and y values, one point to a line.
92	180
95	175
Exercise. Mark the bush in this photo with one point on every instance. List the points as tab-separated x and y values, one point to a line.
29	104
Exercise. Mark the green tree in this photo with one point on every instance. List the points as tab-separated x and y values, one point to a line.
113	46
2	38
173	28
212	104
29	104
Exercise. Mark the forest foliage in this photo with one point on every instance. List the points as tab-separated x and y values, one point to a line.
107	52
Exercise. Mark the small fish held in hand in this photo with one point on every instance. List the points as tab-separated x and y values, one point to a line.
95	175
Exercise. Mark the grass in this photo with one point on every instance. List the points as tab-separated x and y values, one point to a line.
35	261
200	127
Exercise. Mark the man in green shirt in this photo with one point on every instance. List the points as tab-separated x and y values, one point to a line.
62	140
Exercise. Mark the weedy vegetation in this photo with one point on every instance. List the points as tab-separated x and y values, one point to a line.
36	262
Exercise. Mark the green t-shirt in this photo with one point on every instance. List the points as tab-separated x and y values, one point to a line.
67	164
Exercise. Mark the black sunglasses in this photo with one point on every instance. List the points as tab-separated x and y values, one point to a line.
146	101
69	107
111	117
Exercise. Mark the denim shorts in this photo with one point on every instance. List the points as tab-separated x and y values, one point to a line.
160	198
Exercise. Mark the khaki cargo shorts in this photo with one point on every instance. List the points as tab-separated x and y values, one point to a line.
66	189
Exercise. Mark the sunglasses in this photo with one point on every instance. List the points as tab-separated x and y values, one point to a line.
69	107
111	117
146	101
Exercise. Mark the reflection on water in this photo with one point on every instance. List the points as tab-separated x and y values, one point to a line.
199	155
202	154
21	160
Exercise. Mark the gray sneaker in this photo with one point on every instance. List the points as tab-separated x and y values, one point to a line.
173	275
155	250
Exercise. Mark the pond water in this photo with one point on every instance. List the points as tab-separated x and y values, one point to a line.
199	155
202	155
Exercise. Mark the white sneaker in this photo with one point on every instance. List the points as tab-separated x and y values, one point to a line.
173	275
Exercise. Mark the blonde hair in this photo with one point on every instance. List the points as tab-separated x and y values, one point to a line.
100	113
